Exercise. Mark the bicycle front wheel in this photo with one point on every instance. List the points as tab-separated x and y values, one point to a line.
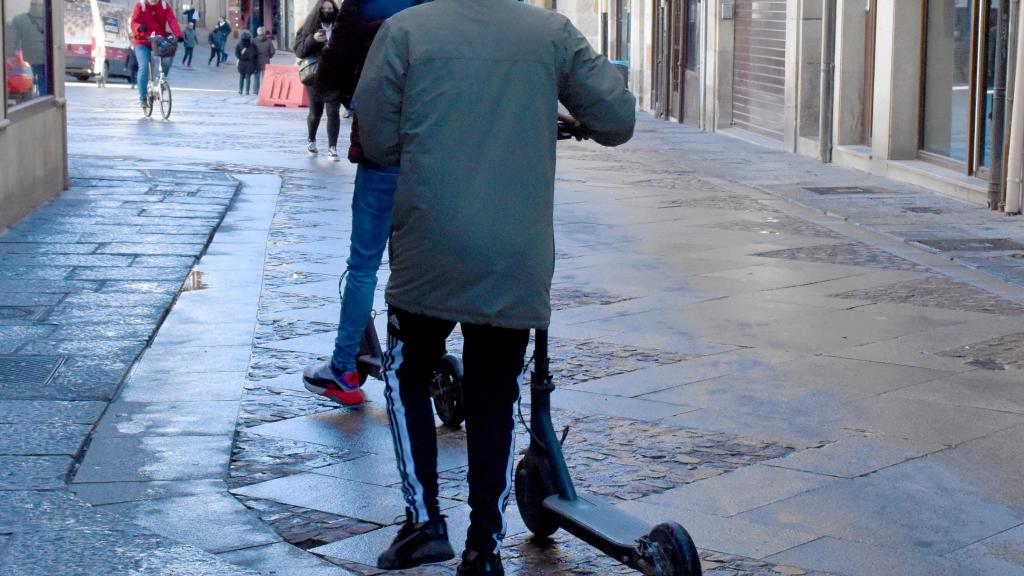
165	100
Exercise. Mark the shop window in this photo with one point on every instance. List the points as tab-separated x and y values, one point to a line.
959	68
27	50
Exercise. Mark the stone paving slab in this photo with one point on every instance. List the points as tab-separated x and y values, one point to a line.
33	472
42	438
283	560
377	504
111	459
739	491
215	522
854	455
100	493
1002	554
107	550
892	509
205	418
846	557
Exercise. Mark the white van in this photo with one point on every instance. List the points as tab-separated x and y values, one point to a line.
97	38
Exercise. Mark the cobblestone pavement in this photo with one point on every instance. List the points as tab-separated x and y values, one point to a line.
805	395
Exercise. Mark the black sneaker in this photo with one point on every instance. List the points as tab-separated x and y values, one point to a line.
477	564
417	544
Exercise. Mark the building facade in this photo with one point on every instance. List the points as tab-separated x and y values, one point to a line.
912	88
33	126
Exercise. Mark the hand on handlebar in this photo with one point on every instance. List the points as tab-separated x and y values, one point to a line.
569	127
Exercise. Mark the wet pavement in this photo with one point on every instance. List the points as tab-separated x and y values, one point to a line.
812	381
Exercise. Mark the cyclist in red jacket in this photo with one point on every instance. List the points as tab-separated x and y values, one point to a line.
151	18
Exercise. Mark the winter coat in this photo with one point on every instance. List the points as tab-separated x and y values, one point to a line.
149	18
27	31
247	55
213	39
463	95
190	38
265	47
306	46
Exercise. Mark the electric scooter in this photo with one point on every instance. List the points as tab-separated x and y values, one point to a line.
548	501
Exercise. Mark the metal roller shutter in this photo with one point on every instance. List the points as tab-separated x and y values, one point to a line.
759	75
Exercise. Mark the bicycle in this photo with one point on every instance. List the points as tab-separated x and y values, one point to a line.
159	89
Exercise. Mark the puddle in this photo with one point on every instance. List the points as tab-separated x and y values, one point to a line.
194	282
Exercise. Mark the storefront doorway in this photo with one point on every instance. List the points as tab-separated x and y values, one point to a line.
677	67
956	91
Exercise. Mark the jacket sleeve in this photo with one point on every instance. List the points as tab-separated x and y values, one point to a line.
594	93
137	32
306	46
172	21
378	97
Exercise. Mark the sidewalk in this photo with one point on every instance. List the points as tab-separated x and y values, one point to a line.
807	394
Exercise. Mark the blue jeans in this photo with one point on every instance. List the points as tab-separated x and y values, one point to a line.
142	54
372	200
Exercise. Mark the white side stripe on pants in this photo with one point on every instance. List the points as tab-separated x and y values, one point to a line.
503	501
411	487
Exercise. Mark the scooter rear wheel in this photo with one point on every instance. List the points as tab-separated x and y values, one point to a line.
532	488
668	550
447	391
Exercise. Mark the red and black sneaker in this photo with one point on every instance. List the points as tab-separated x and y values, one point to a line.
323	380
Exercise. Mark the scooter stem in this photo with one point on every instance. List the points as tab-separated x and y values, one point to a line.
541	386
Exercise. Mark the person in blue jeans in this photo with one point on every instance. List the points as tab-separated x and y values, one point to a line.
151	18
372	200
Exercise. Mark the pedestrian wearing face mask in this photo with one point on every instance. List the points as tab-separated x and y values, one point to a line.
309	41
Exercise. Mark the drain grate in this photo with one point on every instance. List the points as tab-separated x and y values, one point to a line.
36	370
20	312
826	190
922	210
971	244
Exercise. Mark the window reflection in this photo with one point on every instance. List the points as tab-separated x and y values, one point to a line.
26	51
947	77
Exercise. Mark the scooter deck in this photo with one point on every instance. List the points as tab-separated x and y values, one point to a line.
600	519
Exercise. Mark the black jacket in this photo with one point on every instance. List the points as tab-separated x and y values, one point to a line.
341	60
247	55
305	47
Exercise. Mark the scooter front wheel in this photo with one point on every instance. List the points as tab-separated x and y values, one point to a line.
668	550
532	488
446	390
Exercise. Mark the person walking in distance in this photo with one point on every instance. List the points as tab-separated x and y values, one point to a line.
190	44
309	41
214	43
265	50
246	55
223	31
463	95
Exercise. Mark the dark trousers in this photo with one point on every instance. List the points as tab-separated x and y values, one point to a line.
214	53
244	81
187	59
316	112
493	360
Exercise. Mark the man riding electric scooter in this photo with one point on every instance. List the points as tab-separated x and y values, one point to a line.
464	96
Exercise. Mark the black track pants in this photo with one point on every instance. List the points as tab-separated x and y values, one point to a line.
493	359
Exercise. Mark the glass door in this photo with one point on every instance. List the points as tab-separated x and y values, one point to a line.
959	66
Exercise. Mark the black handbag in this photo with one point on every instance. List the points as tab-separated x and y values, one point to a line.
307	70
